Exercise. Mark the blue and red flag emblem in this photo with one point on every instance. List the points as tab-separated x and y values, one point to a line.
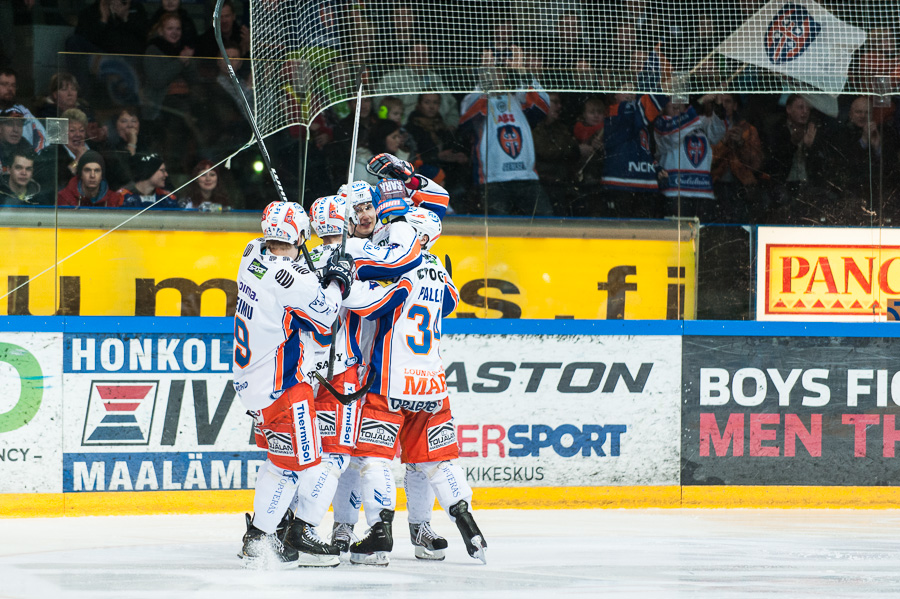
695	147
510	138
790	33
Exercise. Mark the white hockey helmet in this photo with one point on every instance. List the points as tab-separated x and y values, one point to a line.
425	222
327	215
360	193
285	221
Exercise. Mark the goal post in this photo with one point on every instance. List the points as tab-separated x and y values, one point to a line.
306	53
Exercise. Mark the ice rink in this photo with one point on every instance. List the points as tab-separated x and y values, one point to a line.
532	553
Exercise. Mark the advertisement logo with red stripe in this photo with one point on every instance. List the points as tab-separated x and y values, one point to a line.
119	413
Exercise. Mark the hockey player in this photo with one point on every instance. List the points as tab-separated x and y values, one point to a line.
408	398
281	305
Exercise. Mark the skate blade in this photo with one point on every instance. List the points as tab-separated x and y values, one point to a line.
265	563
310	560
425	553
480	548
379	558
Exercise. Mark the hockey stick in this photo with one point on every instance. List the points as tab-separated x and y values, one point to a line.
344	399
348	191
217	27
448	266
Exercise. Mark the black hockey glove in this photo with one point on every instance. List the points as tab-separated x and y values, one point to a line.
340	268
388	166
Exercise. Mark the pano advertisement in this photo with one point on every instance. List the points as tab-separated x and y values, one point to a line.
190	273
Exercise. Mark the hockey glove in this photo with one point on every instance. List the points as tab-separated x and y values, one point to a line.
389	199
340	268
388	166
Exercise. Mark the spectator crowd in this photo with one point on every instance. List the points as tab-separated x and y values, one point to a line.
149	107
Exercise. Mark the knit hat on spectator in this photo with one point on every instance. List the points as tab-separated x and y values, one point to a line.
88	157
12	112
144	165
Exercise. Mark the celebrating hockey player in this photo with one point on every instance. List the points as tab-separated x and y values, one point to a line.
408	401
281	305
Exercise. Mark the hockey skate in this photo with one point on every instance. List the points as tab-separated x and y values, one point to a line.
266	551
375	548
427	543
475	543
342	536
313	551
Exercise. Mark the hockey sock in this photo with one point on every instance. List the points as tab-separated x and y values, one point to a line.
419	495
275	488
317	486
378	489
348	496
449	483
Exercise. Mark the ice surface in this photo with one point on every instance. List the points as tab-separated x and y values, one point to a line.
532	553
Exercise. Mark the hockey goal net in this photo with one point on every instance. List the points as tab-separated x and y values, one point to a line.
307	54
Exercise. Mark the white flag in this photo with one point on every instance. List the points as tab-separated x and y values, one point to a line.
799	39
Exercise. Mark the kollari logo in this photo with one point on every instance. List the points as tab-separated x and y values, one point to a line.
119	413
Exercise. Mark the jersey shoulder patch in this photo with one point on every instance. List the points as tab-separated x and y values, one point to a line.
284	278
257	269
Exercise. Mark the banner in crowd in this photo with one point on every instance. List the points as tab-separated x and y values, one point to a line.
31	425
828	274
790	411
191	273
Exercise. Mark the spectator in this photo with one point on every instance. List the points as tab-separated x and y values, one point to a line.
391	108
110	27
148	190
338	152
125	141
233	33
69	154
438	149
798	163
88	188
736	173
12	123
18	187
33	131
684	141
416	76
385	137
556	155
588	132
219	113
501	124
206	193
62	94
865	166
170	72
630	170
188	27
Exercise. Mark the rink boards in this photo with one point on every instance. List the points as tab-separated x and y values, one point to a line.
138	415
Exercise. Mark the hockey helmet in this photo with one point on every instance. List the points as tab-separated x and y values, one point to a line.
327	215
425	222
360	193
285	221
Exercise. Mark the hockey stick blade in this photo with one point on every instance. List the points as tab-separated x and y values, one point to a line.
344	399
448	265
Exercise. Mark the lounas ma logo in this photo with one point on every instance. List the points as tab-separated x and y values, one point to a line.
790	33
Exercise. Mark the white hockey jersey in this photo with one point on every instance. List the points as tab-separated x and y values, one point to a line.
505	148
280	308
406	360
684	144
353	342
